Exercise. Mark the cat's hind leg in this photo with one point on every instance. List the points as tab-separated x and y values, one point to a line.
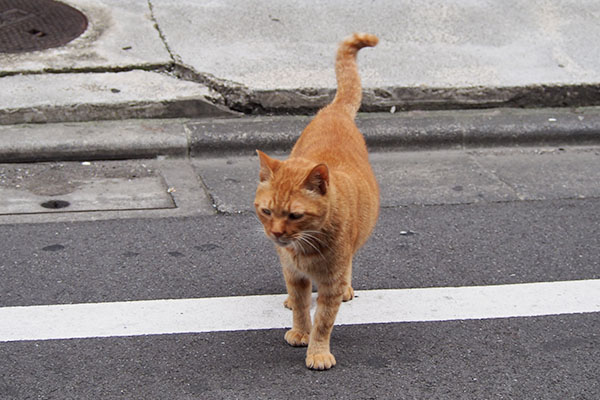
348	292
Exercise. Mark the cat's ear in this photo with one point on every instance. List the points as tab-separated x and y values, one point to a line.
268	166
318	179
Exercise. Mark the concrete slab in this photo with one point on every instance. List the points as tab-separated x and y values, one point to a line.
280	56
404	178
93	96
554	173
68	187
120	35
100	190
94	195
231	182
438	177
435	177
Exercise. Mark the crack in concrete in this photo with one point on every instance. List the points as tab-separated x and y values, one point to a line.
302	101
232	95
161	35
83	70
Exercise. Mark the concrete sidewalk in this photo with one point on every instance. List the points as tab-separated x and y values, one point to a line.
184	58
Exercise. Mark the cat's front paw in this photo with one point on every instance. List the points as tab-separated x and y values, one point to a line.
320	361
297	338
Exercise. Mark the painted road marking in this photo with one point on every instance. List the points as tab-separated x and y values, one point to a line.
153	317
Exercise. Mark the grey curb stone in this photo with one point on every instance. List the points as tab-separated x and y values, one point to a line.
215	137
411	130
104	140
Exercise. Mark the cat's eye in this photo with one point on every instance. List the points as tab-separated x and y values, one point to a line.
295	216
266	211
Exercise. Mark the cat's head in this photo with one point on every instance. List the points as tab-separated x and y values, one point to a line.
292	201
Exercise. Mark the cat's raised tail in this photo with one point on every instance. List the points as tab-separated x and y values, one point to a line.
349	89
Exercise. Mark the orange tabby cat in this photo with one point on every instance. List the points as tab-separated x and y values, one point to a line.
319	207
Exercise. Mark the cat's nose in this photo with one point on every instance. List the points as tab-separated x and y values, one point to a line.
277	234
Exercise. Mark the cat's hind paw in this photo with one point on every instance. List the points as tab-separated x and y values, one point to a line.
320	361
348	294
297	338
287	303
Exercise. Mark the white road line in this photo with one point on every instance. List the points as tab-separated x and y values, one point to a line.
154	317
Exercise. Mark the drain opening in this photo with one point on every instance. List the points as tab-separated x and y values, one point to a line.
55	204
36	33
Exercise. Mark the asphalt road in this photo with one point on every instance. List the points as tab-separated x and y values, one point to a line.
550	357
450	218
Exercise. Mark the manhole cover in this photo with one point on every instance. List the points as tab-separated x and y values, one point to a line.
29	25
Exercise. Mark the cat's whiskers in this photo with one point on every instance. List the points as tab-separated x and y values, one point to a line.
297	246
311	232
311	235
305	239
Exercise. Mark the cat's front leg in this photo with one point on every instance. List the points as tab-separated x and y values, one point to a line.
299	289
318	354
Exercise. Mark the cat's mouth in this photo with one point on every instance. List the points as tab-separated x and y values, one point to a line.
282	242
